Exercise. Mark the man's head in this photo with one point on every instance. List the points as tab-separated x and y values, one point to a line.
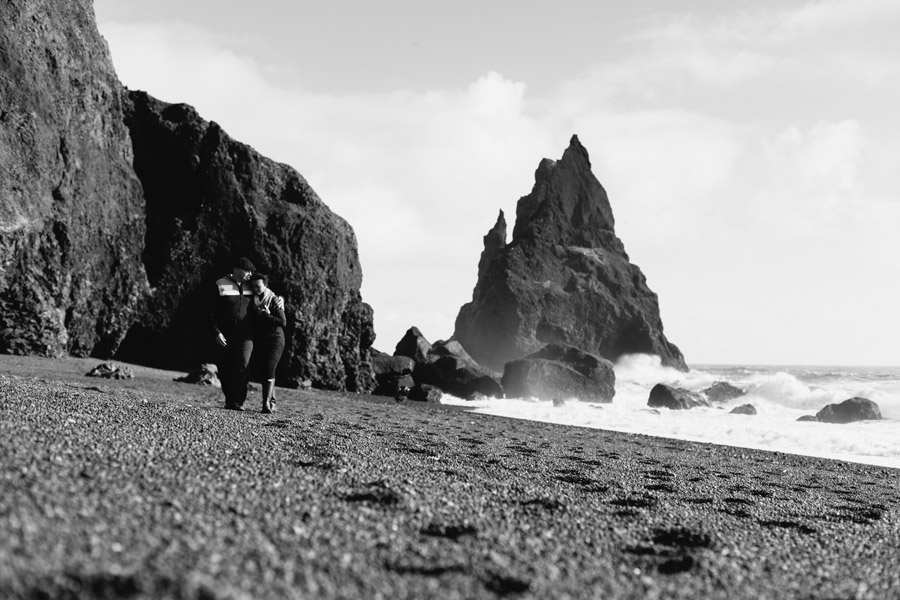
242	269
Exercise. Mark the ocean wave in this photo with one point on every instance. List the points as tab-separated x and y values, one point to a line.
779	394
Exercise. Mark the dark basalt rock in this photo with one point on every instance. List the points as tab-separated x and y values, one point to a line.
666	396
426	393
848	411
119	211
557	372
111	371
387	365
210	198
806	418
398	387
449	367
393	374
205	374
477	387
71	207
564	277
743	409
722	391
414	345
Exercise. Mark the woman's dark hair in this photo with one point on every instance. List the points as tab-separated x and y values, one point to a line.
262	276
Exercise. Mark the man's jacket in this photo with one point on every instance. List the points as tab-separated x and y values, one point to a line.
229	308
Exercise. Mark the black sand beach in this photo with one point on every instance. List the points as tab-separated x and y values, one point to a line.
147	488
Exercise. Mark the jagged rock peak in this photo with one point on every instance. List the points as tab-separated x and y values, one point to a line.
498	231
494	242
564	278
567	201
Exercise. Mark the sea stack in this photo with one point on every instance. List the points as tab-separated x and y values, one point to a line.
564	278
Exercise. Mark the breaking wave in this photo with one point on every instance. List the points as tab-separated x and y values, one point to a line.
779	394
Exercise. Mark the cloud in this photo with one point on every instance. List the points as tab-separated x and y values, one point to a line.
826	17
826	42
767	27
827	156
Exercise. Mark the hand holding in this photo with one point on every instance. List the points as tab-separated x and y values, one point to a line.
220	340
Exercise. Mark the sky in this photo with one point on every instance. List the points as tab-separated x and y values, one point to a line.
750	150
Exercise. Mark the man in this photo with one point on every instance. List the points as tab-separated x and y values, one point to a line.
233	331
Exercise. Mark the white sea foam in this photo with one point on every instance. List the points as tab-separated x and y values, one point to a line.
779	394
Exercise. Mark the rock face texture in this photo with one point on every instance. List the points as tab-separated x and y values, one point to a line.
393	374
666	396
71	207
848	411
449	367
564	278
210	198
118	212
413	345
559	372
722	391
444	365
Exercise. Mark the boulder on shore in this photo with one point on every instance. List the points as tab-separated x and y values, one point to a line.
743	409
722	391
111	371
414	345
393	374
848	411
674	398
425	393
449	367
558	372
205	374
563	278
444	365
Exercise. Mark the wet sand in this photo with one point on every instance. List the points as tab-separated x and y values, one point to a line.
147	488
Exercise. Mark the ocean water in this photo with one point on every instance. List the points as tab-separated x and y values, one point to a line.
780	395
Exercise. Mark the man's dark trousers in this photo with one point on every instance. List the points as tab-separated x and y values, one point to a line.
233	371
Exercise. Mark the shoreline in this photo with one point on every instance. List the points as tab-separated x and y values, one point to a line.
866	459
149	487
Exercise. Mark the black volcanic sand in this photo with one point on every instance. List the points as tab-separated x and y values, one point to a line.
147	488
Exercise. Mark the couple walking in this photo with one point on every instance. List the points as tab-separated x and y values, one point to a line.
247	319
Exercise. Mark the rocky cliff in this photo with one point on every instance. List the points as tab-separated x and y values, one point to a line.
210	198
71	207
564	278
118	211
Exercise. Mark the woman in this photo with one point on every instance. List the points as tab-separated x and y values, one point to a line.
268	335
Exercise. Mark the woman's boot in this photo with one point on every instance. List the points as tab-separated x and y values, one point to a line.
268	387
